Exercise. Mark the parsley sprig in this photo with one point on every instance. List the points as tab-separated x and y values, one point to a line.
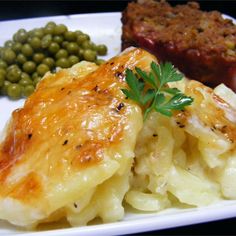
151	91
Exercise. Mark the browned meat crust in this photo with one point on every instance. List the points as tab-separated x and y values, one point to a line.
201	44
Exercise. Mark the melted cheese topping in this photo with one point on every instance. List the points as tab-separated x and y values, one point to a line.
75	132
191	156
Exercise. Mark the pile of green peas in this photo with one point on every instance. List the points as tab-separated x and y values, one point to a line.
29	55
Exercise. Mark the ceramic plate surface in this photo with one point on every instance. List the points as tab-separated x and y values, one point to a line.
105	28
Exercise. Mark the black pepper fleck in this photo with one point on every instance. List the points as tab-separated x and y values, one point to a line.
29	136
224	129
75	205
120	106
96	88
78	146
119	75
62	89
65	142
180	125
154	135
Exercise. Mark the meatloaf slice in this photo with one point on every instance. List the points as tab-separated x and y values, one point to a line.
201	44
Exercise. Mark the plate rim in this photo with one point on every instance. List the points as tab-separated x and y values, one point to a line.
142	224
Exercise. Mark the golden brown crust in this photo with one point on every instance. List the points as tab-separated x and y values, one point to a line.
27	189
68	126
210	109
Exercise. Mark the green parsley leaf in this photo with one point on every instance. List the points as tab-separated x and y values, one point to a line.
149	79
152	92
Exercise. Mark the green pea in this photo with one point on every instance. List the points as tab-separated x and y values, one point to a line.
8	55
16	47
87	45
29	39
72	48
61	53
28	90
51	24
38	57
36	81
24	76
53	48
21	36
93	46
78	32
31	33
13	75
32	48
82	38
29	67
46	41
38	33
42	69
90	55
64	44
3	64
58	39
21	59
14	91
101	49
63	63
81	53
6	83
3	71
15	37
35	43
21	31
49	30
70	36
8	43
34	75
100	61
13	66
60	29
25	82
27	50
2	79
49	62
73	59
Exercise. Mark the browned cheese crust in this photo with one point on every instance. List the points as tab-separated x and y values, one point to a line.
76	131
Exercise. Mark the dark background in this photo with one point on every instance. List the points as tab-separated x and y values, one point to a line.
26	9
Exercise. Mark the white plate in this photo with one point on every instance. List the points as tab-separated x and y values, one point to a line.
106	28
